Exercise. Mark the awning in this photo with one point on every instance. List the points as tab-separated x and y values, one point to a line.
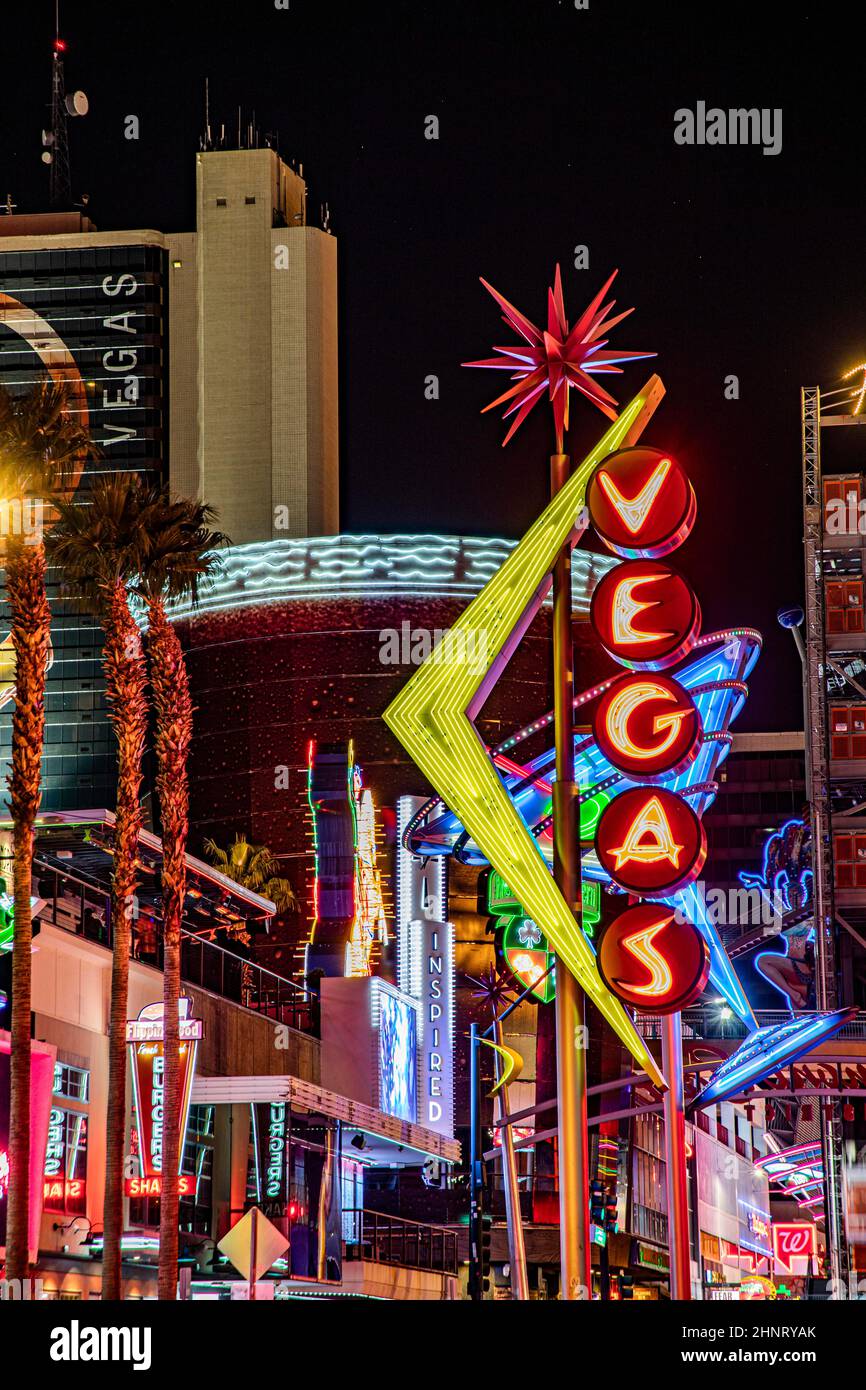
239	1090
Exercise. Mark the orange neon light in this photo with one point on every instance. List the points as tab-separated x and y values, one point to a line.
650	821
635	510
623	706
640	945
626	606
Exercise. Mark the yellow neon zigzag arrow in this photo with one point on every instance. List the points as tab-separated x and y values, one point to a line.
433	713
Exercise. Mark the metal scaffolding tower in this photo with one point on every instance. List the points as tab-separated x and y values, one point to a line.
818	784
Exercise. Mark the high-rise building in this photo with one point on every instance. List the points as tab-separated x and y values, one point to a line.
207	359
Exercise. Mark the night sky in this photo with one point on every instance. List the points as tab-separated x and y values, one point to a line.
556	130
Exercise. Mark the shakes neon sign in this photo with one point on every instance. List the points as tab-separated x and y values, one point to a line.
144	1036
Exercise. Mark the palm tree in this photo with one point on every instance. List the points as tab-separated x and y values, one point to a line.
42	452
179	556
254	867
99	548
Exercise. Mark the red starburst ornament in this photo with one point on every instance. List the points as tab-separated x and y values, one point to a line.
559	360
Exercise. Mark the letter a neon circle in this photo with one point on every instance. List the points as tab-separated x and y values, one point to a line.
647	725
650	841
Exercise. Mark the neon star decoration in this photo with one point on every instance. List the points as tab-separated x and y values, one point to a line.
559	359
433	715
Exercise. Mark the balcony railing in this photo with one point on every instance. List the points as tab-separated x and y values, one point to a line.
84	908
390	1240
714	1022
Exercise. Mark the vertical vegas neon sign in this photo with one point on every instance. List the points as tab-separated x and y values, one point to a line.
647	725
145	1037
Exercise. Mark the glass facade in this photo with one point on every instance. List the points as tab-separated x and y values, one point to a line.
108	306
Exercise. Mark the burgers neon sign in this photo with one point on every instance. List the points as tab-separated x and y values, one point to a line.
144	1036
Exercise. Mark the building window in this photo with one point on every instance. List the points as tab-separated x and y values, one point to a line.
848	731
846	491
222	202
845	605
248	201
65	1180
71	1083
849	854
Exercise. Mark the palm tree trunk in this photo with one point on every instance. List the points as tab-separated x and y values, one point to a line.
126	684
173	707
31	629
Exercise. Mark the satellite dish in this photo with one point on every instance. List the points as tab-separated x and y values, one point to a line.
77	104
48	137
47	157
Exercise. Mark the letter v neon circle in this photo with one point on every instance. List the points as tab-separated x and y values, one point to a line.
433	715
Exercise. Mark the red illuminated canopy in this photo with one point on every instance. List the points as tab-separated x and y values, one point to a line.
650	841
647	725
645	614
641	502
652	961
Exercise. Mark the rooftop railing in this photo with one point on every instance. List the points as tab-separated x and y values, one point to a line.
389	1240
716	1021
83	907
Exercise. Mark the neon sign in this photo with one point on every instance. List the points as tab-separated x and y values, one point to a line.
645	615
152	1186
766	1050
650	841
653	962
793	1243
647	725
642	503
145	1036
425	970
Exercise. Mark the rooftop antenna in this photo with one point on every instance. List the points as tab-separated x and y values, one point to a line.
208	142
9	206
55	142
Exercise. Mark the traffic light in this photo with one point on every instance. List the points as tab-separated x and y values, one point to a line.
611	1224
626	1286
480	1234
486	1235
596	1202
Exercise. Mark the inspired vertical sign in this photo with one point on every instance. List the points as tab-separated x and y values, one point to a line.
426	971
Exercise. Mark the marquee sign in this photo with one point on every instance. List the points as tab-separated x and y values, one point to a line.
645	615
145	1036
641	502
647	725
653	962
650	841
